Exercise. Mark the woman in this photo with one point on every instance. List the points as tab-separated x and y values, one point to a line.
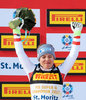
46	79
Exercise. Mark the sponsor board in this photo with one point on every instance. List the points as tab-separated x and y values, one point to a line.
79	66
16	90
31	42
59	17
63	41
74	91
12	66
70	91
7	15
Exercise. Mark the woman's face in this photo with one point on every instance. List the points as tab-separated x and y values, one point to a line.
46	61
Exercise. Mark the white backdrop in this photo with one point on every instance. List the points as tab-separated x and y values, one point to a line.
12	66
78	91
56	40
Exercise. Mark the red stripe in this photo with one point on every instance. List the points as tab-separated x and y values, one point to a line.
30	74
77	37
22	78
17	39
15	34
13	78
62	76
76	43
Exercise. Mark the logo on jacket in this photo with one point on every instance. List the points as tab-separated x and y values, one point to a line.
46	76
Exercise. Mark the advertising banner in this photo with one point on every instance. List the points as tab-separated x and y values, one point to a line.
16	90
74	91
62	17
78	68
7	41
12	66
62	41
70	90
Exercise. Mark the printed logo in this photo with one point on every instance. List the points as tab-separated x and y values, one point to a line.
16	90
46	76
67	41
79	66
30	43
67	90
58	17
